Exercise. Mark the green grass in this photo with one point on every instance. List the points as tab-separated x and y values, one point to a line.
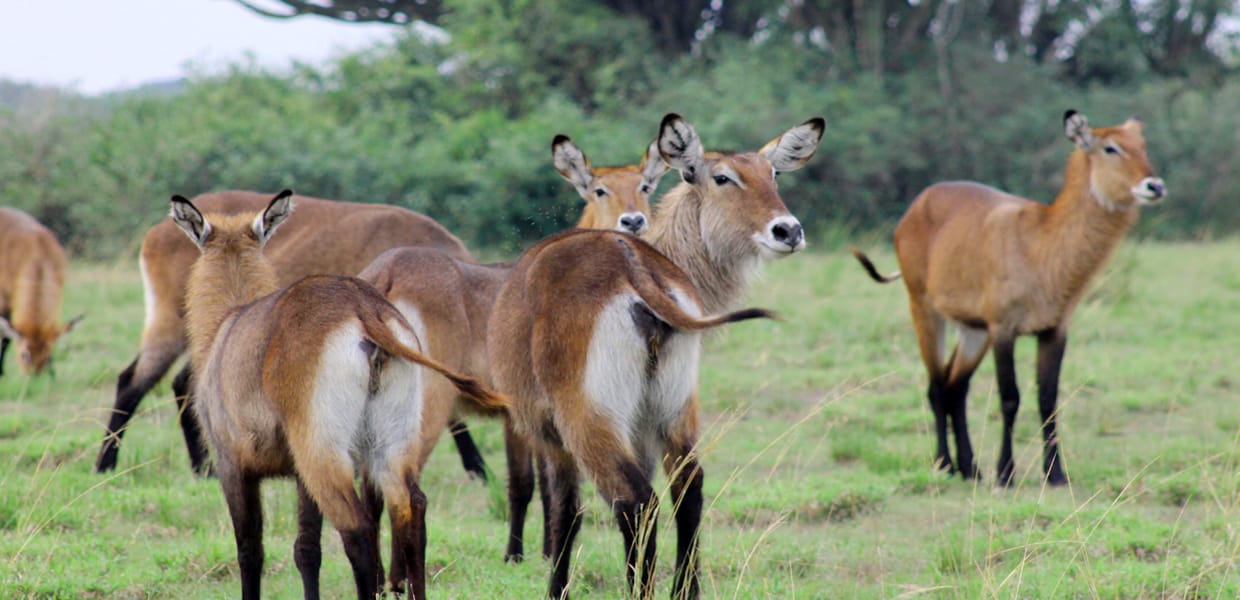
817	448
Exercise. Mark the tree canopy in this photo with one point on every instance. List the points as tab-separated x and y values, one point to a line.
459	126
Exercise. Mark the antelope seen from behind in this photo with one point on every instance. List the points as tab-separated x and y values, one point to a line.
324	236
32	278
997	266
596	338
448	301
319	380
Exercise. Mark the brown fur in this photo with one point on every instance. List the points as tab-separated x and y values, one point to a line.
32	276
323	236
266	418
591	291
616	197
452	300
1008	266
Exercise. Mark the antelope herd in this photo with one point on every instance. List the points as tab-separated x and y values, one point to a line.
334	342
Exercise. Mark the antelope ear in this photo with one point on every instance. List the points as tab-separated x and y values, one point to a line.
1134	123
572	164
7	331
277	211
71	324
680	147
1076	127
190	220
792	149
652	168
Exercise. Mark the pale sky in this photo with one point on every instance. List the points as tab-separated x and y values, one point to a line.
95	46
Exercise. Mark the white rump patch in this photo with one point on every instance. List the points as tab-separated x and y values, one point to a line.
616	365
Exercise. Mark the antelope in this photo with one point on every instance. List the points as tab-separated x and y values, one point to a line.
32	276
998	266
449	301
324	236
595	337
616	197
316	381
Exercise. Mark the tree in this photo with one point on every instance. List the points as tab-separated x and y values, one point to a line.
355	11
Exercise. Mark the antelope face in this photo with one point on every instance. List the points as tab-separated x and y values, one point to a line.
616	197
741	206
1120	173
34	345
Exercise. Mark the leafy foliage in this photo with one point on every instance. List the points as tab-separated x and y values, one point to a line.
459	127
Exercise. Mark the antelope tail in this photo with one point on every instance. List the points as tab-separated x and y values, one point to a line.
871	269
383	336
670	312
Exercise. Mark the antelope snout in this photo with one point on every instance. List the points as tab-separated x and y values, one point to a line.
634	222
784	235
1150	190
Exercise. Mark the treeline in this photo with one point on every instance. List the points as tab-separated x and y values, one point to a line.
460	129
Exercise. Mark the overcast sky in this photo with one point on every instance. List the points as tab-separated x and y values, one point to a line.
95	46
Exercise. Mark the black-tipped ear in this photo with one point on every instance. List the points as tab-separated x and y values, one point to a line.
571	163
1076	128
793	148
189	219
681	147
277	211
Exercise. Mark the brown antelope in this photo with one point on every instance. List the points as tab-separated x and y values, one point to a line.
998	266
595	336
32	275
322	237
317	380
449	301
616	197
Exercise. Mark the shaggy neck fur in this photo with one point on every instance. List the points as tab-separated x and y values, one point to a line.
227	275
720	266
1080	231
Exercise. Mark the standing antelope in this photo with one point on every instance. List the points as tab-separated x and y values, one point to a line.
449	301
32	275
324	236
318	381
595	337
998	266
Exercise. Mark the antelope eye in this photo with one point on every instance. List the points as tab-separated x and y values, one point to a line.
1111	150
721	179
600	192
645	189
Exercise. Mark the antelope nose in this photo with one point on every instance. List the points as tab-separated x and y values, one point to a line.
635	222
1156	186
789	233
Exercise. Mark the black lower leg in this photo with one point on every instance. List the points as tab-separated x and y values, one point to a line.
372	503
190	428
129	393
416	561
637	517
307	550
471	457
246	510
545	497
687	478
938	405
4	348
1009	401
1051	347
359	546
520	491
565	520
955	394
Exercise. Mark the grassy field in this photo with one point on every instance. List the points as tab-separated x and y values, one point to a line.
817	452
